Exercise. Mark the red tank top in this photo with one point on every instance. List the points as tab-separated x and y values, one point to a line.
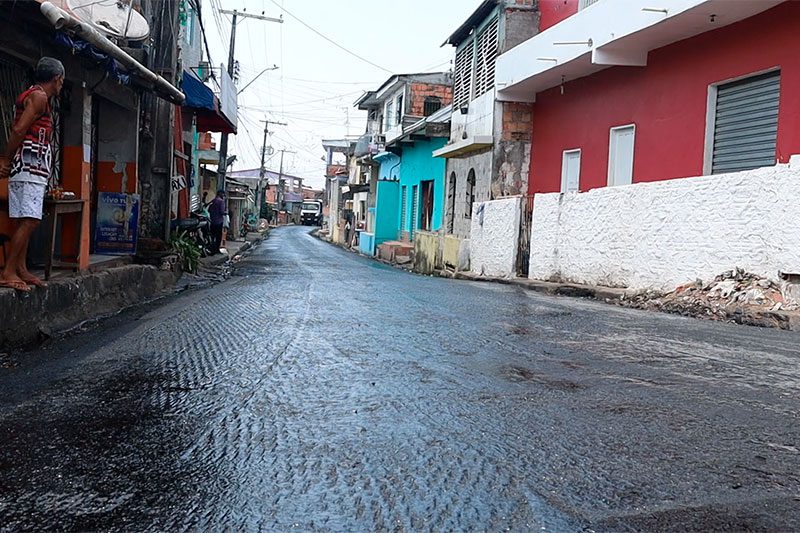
33	158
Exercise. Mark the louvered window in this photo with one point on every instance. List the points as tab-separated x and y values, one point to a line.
586	3
462	83
486	49
746	124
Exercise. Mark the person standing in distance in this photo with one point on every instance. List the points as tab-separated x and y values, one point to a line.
27	164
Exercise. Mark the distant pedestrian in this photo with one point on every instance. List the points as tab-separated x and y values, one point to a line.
27	164
216	210
226	227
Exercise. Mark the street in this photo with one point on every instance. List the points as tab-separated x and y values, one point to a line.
317	390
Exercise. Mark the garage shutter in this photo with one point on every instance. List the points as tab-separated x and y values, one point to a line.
746	126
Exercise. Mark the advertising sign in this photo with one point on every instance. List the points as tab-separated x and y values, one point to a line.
117	223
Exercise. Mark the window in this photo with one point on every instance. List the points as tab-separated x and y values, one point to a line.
432	105
399	110
620	155
462	79
470	192
486	50
745	124
389	115
571	171
403	208
414	209
583	4
451	203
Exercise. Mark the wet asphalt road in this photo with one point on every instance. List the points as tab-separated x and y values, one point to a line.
317	390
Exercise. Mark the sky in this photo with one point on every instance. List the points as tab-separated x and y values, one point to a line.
316	82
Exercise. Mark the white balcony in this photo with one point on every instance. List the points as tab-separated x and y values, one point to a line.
610	33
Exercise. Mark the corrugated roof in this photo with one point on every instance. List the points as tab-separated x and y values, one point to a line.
474	20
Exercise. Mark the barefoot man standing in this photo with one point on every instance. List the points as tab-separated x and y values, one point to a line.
27	164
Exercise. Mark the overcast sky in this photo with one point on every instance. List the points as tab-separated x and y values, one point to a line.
317	82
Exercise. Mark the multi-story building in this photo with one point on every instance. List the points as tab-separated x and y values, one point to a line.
400	103
489	147
628	96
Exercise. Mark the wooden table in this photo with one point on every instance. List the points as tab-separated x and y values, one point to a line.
54	208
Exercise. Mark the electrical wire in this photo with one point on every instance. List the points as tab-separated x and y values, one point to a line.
337	45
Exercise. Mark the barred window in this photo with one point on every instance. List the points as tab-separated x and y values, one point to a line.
432	105
487	50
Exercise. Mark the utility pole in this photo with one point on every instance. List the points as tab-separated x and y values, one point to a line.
223	145
280	178
263	171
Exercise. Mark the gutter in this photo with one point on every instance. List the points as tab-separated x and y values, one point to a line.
60	19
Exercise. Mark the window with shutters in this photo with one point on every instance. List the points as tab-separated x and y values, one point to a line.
462	79
487	51
745	128
414	210
403	208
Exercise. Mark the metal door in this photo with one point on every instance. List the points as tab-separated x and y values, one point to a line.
746	124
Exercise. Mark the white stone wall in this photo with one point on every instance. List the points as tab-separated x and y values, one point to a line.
664	234
494	236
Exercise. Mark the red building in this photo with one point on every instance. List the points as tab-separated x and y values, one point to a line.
630	92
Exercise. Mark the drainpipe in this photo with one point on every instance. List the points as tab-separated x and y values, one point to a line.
60	19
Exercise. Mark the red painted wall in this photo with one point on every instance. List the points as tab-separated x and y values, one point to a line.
554	11
667	101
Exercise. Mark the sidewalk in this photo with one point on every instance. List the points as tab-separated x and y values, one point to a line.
786	320
71	299
233	249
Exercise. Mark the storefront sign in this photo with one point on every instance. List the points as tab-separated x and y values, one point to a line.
117	223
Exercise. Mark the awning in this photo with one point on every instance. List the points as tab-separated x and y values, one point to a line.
202	101
61	20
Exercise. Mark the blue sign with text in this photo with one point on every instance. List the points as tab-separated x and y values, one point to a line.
117	223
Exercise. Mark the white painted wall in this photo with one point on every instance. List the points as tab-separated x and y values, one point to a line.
479	120
493	237
664	234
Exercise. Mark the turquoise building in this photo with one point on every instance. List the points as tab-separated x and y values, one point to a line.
411	186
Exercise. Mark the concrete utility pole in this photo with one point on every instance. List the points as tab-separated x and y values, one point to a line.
263	171
223	144
280	178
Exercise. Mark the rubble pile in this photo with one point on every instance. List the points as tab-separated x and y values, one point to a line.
728	297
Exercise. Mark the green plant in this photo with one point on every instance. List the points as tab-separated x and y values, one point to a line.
187	250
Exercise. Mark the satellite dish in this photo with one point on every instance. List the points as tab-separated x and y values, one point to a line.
112	18
270	150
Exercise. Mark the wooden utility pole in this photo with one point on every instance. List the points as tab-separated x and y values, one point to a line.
223	145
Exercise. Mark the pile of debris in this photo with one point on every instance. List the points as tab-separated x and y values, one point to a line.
730	296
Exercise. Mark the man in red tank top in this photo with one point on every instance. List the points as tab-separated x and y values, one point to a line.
27	164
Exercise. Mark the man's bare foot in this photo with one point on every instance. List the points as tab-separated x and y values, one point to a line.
14	283
30	279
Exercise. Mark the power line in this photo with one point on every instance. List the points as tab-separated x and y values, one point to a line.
365	60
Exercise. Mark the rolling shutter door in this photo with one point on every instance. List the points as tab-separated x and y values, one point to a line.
746	124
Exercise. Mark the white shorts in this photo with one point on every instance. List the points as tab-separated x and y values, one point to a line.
25	199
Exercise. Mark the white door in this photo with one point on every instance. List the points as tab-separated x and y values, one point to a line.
620	155
571	171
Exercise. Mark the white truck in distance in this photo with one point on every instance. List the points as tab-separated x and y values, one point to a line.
311	213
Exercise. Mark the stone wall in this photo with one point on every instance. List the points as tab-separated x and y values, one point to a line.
481	163
665	234
493	238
